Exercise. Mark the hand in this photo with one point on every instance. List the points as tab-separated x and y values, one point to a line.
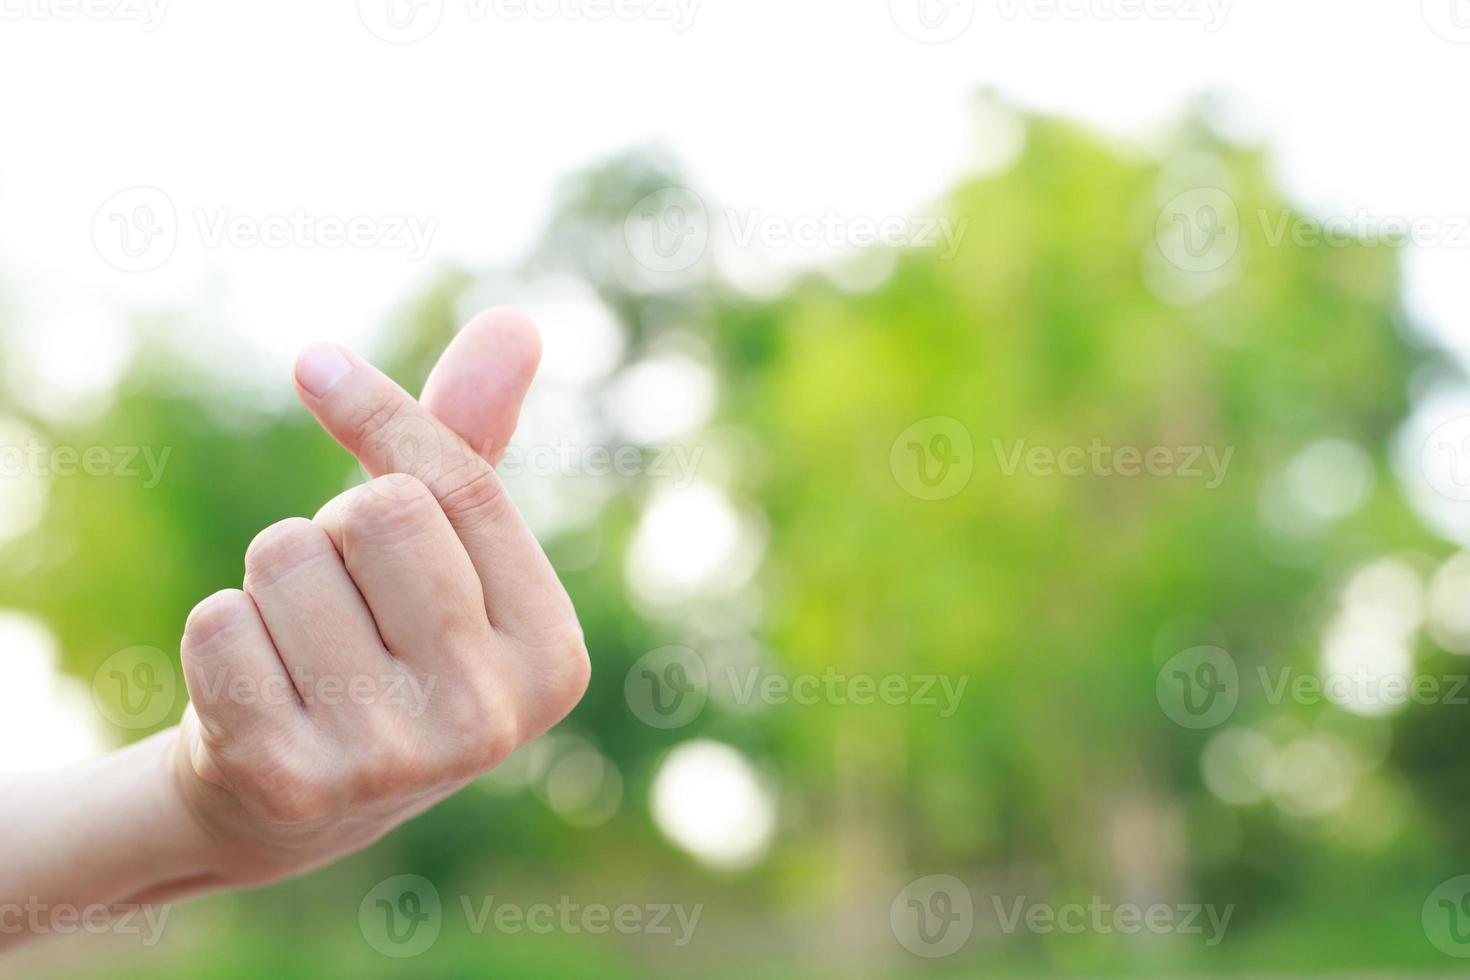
393	648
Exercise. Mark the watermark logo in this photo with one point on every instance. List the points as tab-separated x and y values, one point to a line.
1198	688
1450	19
667	688
668	231
932	21
1446	917
136	688
571	917
933	459
571	460
1206	463
1199	230
136	229
1104	917
401	916
671	230
940	692
1364	229
395	688
832	231
400	21
38	918
41	459
1445	459
408	233
933	917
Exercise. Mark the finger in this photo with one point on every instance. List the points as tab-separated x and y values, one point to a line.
390	433
315	616
482	377
413	571
236	680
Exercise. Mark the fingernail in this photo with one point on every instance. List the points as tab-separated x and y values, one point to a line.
319	367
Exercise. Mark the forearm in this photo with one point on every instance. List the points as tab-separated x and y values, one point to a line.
107	832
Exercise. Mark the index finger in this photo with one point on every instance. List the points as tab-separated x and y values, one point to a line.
389	432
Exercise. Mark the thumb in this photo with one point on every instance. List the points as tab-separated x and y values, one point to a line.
482	377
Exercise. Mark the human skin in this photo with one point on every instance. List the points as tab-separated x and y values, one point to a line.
379	657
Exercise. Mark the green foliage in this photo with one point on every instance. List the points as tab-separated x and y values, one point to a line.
1056	599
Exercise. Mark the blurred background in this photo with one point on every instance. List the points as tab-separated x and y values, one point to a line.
1011	459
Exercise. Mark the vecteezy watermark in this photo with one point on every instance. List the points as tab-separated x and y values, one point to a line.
670	230
1198	230
669	687
1444	459
571	917
1207	463
147	14
568	459
1103	916
138	229
41	459
832	230
1201	687
1198	687
408	21
1365	229
1450	19
1445	917
35	917
390	688
402	917
1364	687
933	459
136	688
932	21
941	692
935	916
1209	14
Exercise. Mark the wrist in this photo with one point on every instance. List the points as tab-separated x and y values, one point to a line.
175	855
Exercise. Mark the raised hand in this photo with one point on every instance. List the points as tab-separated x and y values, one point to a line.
399	644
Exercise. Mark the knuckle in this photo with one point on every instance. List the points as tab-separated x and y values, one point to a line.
393	770
459	634
368	423
473	495
484	733
283	548
581	670
574	670
216	619
391	508
401	486
566	669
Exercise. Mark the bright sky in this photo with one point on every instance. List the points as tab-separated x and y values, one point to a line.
259	110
